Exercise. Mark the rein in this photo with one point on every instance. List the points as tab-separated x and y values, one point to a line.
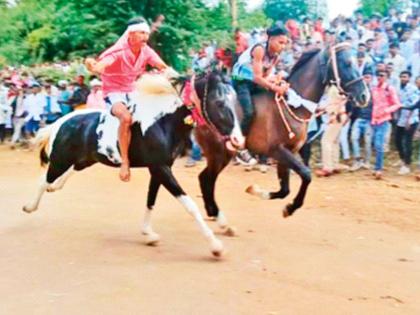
279	100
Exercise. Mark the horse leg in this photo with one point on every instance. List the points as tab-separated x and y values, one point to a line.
48	178
59	182
207	180
152	238
284	155
286	158
166	178
283	174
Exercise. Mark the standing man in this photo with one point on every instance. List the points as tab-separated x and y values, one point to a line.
120	66
385	102
362	129
408	120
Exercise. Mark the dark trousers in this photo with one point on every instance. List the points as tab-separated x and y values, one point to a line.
404	142
244	91
2	132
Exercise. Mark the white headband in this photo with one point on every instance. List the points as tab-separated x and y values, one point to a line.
140	27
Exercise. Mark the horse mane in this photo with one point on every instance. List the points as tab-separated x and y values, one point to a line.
157	83
306	56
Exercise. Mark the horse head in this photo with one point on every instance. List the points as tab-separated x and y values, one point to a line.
217	101
343	72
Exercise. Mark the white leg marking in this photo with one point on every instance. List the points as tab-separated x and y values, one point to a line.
59	182
43	185
221	220
192	208
223	224
255	190
152	238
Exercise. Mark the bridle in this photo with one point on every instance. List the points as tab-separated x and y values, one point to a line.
332	60
202	106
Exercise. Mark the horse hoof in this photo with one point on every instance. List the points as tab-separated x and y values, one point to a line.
230	231
152	239
286	211
217	248
50	189
28	209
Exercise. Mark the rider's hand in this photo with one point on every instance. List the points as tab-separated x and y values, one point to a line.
281	89
90	64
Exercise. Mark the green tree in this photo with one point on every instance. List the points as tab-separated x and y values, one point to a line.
285	9
368	7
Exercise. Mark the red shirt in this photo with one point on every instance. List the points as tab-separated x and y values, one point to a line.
385	102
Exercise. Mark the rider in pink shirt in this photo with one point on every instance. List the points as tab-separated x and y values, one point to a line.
120	66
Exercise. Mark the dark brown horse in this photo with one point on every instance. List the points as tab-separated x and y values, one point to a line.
269	134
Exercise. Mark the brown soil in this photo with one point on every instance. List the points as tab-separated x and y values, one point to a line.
354	248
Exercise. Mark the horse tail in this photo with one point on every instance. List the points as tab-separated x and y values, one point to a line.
41	141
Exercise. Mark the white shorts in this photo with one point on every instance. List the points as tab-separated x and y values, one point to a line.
129	99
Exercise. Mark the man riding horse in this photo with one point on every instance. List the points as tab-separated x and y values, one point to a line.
254	70
120	66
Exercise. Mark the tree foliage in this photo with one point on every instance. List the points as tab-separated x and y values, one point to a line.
285	9
35	31
369	7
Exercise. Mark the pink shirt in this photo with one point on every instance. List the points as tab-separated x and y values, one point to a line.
96	100
124	69
385	102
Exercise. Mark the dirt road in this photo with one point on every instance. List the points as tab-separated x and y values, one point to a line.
353	249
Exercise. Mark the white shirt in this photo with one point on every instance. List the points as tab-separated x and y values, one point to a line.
34	105
399	63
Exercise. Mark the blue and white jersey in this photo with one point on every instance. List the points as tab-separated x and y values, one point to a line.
242	70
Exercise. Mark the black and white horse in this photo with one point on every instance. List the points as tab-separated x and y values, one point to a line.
159	133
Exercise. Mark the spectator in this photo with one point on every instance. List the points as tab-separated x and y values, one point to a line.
18	116
408	120
396	59
33	104
333	105
52	110
384	102
362	129
5	110
380	45
241	43
63	96
80	93
95	99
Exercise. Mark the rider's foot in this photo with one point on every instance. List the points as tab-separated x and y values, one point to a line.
125	172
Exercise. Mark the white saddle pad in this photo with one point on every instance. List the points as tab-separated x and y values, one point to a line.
145	108
295	100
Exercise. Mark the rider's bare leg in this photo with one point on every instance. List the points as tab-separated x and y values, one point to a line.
124	136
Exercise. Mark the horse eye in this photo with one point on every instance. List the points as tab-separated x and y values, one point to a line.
220	104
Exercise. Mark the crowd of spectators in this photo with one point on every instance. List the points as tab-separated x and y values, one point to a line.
386	51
